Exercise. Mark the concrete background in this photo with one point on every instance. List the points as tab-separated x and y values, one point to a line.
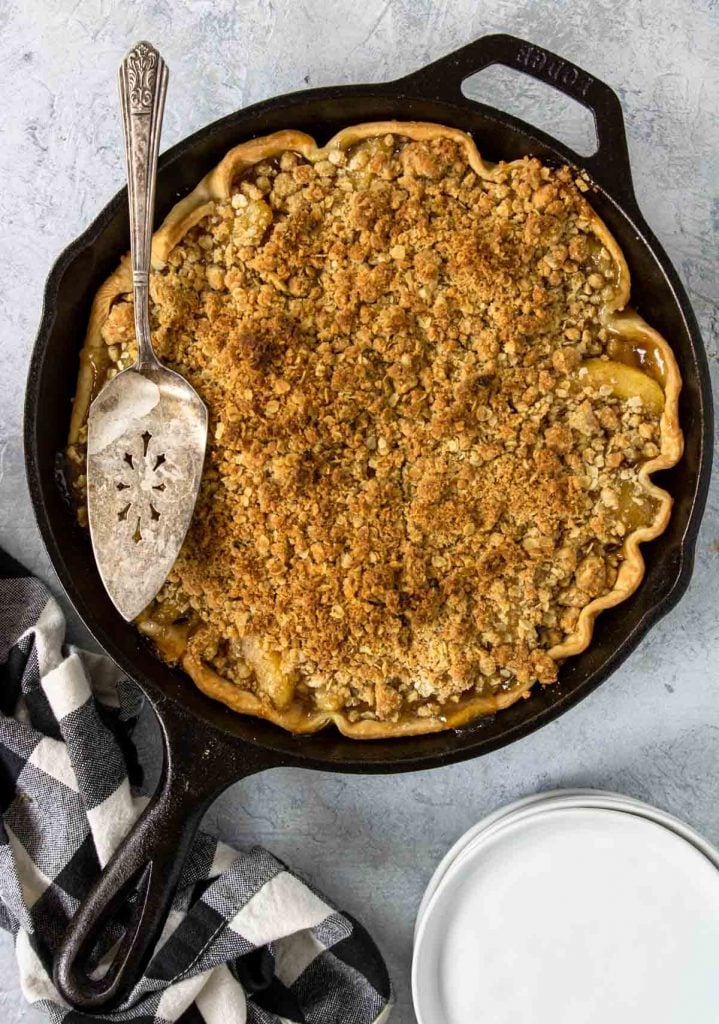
653	729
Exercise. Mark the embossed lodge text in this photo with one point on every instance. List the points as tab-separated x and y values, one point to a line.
556	70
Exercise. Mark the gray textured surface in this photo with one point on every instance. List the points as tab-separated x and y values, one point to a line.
653	729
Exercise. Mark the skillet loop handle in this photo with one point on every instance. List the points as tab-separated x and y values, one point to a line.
143	874
609	166
148	862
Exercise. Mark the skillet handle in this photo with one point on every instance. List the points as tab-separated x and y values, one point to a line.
609	166
149	863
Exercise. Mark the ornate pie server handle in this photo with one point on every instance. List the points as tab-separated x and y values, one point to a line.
143	87
609	166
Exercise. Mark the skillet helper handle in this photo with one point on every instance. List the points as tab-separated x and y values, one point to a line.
609	166
148	863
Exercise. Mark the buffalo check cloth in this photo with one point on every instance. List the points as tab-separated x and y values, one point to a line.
247	942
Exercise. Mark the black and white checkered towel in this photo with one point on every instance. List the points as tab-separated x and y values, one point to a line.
246	941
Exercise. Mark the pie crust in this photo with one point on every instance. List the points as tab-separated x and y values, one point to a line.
627	332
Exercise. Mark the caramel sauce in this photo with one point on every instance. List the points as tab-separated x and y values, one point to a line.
170	640
99	362
168	626
636	508
640	354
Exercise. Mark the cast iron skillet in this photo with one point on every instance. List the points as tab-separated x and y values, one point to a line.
208	747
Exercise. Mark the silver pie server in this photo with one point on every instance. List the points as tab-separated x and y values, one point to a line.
147	429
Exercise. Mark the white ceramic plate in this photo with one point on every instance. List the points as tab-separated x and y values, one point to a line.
500	814
575	915
541	802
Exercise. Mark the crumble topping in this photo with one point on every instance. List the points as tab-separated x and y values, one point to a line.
416	475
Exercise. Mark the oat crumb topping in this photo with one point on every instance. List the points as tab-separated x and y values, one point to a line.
415	477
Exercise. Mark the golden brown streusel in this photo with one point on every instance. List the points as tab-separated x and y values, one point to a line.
414	483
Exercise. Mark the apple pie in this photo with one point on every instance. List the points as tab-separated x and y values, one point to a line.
434	420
